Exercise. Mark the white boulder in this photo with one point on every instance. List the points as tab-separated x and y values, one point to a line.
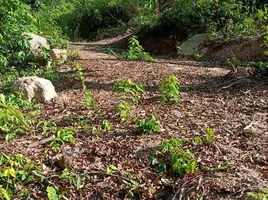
34	88
190	47
36	44
37	41
59	55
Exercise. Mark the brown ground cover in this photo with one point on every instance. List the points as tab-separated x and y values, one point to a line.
235	108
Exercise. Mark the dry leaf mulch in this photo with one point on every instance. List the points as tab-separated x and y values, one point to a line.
235	109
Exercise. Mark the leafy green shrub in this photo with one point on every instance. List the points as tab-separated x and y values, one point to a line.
173	158
170	89
12	121
15	18
148	126
263	20
136	51
15	170
230	17
48	28
81	19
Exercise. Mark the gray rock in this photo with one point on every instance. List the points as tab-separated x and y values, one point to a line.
34	88
59	55
190	47
36	44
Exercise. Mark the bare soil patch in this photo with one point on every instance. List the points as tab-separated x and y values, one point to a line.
243	48
237	113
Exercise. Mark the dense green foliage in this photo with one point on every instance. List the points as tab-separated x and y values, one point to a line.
83	19
15	170
15	18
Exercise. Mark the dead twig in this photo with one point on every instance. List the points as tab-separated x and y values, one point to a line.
216	146
230	85
43	141
199	182
248	91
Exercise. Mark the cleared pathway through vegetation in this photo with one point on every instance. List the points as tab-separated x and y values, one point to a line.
235	108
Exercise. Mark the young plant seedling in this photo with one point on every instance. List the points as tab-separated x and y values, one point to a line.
148	126
124	109
170	89
62	136
130	87
136	51
106	125
88	96
173	158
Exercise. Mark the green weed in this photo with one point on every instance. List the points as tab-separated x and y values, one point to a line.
84	124
110	169
12	121
148	126
88	96
15	170
73	55
124	109
96	130
130	183
62	136
106	125
136	51
73	178
52	193
4	193
170	89
47	126
130	87
173	158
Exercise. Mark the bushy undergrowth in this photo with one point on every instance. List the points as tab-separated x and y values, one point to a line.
16	170
17	18
90	20
230	17
82	19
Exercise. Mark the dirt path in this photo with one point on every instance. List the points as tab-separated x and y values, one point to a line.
237	113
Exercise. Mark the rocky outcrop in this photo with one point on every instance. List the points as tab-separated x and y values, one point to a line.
34	88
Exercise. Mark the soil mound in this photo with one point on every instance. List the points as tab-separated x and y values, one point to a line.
242	48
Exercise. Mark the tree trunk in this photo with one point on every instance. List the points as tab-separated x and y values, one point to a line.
156	7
